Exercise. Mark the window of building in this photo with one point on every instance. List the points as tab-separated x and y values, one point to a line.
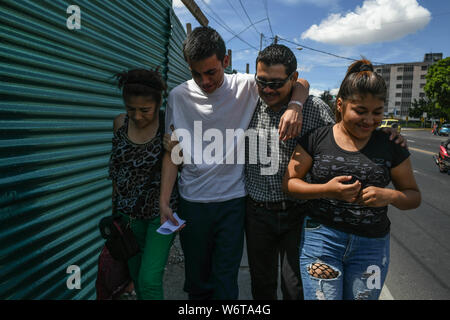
422	76
424	67
399	77
398	94
400	69
399	86
422	85
406	104
421	95
397	103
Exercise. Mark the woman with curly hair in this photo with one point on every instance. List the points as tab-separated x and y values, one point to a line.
135	170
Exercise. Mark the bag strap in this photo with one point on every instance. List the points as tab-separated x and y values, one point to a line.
118	226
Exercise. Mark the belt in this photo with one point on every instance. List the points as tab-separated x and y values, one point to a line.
273	206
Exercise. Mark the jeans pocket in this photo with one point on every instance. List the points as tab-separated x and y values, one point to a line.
311	224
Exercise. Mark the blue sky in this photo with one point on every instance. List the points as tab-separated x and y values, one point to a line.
384	31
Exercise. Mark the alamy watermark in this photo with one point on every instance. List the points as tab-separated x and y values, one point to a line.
211	147
74	280
73	22
374	280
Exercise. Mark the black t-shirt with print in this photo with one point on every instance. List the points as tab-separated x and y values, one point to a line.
371	166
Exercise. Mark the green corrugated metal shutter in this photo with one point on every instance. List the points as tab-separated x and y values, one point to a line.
178	68
56	109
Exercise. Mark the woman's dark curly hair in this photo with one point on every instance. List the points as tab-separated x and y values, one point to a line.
142	82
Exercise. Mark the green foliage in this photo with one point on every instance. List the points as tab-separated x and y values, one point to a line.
437	87
419	107
328	99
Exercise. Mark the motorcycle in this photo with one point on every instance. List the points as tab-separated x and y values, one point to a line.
443	159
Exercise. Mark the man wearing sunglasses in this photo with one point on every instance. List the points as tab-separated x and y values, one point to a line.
273	220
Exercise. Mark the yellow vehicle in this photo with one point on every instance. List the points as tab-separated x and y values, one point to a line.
390	123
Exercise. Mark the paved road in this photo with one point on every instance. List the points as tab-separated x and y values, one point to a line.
420	238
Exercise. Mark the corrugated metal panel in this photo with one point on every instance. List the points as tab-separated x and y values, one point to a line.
178	69
56	109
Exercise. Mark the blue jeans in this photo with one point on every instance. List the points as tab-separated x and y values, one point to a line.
336	265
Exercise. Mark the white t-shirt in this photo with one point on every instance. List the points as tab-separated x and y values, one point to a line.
211	175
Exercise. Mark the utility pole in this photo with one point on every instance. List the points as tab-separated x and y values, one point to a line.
260	42
188	28
196	12
275	41
247	69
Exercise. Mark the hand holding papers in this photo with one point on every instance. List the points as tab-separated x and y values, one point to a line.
168	227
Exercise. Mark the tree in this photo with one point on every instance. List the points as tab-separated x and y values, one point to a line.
423	105
418	108
437	87
328	99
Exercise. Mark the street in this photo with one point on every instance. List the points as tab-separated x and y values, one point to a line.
420	238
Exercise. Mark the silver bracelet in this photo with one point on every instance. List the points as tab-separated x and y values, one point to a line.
297	103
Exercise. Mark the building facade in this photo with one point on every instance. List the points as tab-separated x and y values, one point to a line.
405	82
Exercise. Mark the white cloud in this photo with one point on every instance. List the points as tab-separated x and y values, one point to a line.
374	21
318	92
315	92
334	91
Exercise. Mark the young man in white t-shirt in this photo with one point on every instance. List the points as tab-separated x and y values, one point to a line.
209	114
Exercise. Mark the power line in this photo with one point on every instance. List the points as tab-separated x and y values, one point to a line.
324	52
267	14
246	28
245	11
225	26
221	23
237	13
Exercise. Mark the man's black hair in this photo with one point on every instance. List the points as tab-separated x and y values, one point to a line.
202	43
278	54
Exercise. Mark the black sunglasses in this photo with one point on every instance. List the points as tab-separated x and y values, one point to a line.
272	84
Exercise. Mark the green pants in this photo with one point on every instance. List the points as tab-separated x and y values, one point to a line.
147	267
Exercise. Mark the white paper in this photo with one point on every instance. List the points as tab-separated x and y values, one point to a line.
168	227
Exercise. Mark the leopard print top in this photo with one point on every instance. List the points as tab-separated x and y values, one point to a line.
130	167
